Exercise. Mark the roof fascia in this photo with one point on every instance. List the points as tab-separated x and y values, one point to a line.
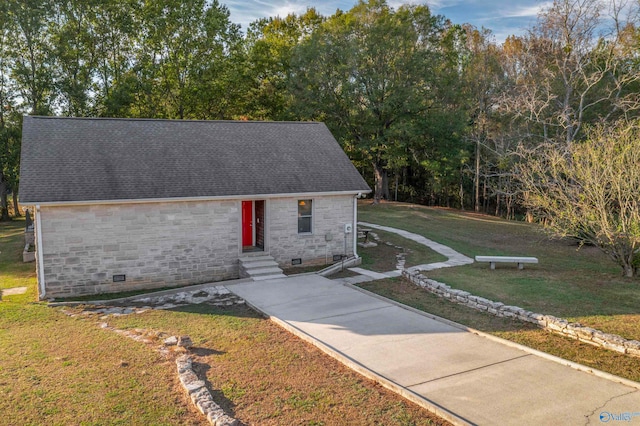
191	199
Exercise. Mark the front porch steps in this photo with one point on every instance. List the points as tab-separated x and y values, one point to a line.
260	268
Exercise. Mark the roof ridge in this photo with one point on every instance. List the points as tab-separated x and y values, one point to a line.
176	120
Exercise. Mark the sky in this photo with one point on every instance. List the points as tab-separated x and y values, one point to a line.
502	17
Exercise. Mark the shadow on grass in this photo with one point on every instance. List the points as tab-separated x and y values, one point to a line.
113	296
402	291
205	351
239	311
201	369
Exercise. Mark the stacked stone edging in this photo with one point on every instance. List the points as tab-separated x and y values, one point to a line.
548	322
193	385
200	395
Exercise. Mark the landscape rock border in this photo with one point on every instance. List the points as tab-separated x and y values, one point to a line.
400	257
200	395
547	322
194	386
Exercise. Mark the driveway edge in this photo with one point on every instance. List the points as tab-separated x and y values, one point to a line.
558	360
430	406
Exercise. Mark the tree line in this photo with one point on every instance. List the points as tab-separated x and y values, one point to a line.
429	111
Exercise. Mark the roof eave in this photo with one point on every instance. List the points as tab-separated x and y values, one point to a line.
191	199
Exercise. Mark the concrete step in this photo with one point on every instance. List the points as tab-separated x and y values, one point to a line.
263	271
268	277
260	268
260	264
256	258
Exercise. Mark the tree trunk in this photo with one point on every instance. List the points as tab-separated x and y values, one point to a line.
629	271
385	185
485	199
476	179
529	216
4	205
382	183
395	198
16	208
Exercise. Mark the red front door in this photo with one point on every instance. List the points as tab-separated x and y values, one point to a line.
247	223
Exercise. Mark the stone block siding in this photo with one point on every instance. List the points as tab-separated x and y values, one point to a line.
153	244
329	215
176	243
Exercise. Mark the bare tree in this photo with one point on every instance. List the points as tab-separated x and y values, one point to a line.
483	80
590	191
574	67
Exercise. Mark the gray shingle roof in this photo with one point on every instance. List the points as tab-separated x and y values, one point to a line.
88	159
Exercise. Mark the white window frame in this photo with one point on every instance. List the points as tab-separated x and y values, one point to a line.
310	216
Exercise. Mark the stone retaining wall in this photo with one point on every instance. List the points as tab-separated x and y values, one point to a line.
548	322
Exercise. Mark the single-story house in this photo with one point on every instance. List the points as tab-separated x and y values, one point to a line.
125	204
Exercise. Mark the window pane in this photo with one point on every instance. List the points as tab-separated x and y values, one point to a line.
304	208
304	225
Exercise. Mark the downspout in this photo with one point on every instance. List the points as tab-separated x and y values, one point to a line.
355	225
40	257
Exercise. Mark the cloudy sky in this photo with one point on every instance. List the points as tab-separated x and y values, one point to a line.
502	17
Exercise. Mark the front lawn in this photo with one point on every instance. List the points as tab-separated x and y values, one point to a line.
264	375
56	369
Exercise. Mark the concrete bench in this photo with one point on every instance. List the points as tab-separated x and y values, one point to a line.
506	259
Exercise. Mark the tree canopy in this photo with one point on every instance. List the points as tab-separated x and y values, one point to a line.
381	79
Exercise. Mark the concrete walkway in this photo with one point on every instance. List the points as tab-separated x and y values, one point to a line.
453	257
464	377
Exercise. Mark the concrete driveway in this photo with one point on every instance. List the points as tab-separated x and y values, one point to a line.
464	377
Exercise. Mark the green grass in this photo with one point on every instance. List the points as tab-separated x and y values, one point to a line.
382	258
13	272
581	285
56	369
264	375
